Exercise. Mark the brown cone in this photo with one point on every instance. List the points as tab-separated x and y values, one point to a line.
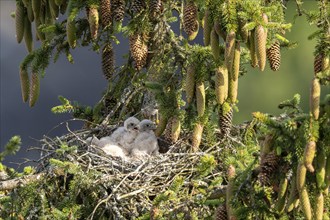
225	122
318	63
105	11
274	56
108	61
139	50
155	7
190	22
138	5
269	165
221	213
118	10
25	84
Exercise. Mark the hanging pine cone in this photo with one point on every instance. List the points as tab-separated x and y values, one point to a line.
105	11
318	63
139	50
260	39
173	129
93	20
221	213
19	21
274	56
25	84
155	7
268	166
138	5
118	10
196	136
190	22
34	89
225	122
108	61
28	39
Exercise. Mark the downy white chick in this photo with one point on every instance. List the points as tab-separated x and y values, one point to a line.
146	141
108	146
125	136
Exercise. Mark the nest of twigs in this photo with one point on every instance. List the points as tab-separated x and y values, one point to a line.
164	185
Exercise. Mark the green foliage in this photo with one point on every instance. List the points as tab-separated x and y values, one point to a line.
74	187
12	147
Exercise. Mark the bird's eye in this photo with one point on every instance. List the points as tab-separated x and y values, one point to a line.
132	124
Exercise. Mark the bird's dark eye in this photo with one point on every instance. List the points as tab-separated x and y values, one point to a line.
132	124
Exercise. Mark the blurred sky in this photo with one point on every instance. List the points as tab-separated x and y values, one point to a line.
84	82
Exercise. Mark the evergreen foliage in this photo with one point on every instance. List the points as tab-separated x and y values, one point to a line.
272	161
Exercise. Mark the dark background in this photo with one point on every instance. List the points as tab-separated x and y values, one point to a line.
84	82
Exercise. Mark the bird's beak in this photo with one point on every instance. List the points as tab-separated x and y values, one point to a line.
136	128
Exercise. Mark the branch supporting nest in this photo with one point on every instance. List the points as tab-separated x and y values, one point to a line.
18	182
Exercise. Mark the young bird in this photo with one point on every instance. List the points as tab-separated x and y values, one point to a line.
146	141
123	136
108	147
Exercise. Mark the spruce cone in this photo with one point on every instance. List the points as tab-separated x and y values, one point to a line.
221	84
301	176
236	63
309	154
230	50
28	35
268	166
260	38
25	84
221	213
318	63
30	12
190	22
108	61
305	203
274	56
215	47
118	10
93	20
314	101
190	83
319	206
34	89
19	21
233	90
196	136
155	7
36	7
200	98
225	122
105	12
253	54
138	5
139	50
